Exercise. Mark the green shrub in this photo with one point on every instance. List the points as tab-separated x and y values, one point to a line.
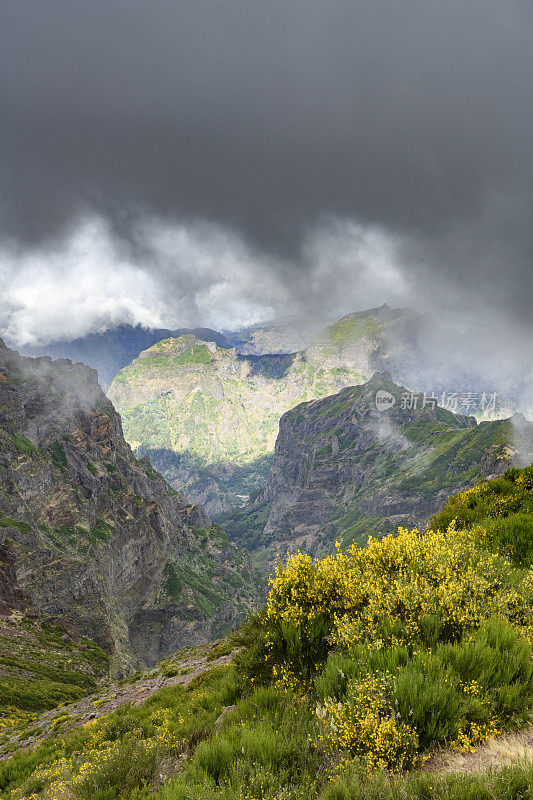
513	535
499	661
333	680
500	510
222	649
58	455
427	696
214	757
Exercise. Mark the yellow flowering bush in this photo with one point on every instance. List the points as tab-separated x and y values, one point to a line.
368	726
387	590
424	621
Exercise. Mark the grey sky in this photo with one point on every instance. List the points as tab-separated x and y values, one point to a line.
269	121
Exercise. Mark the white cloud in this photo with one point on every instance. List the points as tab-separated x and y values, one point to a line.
199	274
194	274
82	283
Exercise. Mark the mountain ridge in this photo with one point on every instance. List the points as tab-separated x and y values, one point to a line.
95	537
344	469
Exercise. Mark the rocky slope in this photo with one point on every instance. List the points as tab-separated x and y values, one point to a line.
208	417
344	469
95	538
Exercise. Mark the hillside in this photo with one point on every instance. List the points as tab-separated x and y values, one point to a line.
376	673
109	351
208	417
95	538
343	469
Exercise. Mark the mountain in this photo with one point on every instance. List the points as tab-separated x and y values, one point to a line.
283	335
95	538
424	355
344	469
111	350
208	417
414	652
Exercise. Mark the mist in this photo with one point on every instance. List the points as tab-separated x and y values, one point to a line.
221	164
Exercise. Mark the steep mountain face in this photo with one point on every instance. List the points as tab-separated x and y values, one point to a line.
111	350
94	537
343	469
208	417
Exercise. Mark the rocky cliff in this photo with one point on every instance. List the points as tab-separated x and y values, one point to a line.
96	538
208	417
345	469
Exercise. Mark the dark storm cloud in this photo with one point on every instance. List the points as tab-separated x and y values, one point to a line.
271	118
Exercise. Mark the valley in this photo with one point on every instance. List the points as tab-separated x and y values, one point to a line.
208	417
396	533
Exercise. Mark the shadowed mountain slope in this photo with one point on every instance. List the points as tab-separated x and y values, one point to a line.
95	537
345	469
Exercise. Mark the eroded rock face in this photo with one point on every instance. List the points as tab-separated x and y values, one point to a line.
208	416
95	537
344	469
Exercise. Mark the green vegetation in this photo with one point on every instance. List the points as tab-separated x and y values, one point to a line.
42	667
360	666
353	327
78	537
246	526
7	522
59	457
198	578
455	452
24	445
173	583
500	511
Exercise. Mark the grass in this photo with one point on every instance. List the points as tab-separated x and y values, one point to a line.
24	445
39	670
261	749
452	680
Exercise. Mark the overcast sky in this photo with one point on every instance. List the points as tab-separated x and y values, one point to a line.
217	162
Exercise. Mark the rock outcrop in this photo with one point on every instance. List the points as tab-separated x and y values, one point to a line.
208	416
96	538
345	469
